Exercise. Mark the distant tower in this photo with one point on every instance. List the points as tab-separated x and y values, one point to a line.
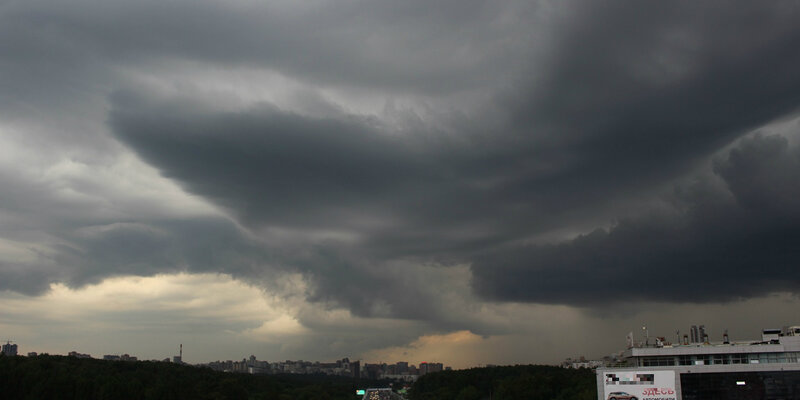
695	337
179	358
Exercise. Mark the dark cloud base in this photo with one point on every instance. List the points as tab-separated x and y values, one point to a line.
729	237
719	245
577	119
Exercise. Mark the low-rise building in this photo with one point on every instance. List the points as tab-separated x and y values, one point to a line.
78	355
114	357
765	368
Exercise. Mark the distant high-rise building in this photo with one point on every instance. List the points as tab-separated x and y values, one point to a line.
427	368
10	349
702	332
435	367
694	334
402	367
372	371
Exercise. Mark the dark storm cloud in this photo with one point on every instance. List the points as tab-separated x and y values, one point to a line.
166	246
270	165
638	93
277	169
722	242
591	106
90	253
274	168
423	194
631	98
445	47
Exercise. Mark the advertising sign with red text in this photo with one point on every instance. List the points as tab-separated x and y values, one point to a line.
639	385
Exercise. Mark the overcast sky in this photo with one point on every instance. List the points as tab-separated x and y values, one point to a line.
459	181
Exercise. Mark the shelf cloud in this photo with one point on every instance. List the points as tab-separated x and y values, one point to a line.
415	164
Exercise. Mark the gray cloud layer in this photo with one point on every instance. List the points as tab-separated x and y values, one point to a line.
535	120
718	243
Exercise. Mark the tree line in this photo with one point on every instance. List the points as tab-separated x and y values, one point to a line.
531	382
59	377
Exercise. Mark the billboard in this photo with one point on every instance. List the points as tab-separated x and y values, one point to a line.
639	385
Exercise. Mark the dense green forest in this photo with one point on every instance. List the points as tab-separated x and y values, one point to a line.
59	377
530	382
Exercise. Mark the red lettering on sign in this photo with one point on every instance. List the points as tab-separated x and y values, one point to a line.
657	391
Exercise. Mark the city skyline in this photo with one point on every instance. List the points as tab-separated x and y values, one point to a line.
119	356
690	337
399	371
472	182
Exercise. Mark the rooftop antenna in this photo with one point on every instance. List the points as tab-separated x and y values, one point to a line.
181	352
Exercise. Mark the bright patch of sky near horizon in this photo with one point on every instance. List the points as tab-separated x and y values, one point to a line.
218	318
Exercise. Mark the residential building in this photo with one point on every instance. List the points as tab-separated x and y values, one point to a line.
9	349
